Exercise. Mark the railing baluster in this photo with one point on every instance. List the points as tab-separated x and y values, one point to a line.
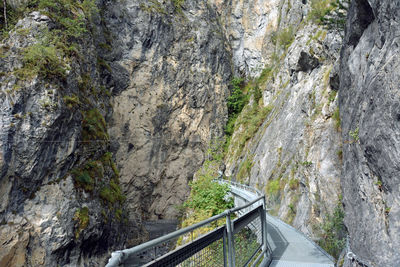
231	255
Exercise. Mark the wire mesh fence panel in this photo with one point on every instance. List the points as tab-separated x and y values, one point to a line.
207	250
150	254
213	255
247	242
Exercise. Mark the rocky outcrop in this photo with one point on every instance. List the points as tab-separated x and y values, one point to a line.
369	110
60	193
104	119
288	142
176	68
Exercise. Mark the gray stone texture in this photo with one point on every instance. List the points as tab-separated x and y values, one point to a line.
178	72
369	103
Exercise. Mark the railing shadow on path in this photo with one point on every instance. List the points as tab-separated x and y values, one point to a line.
276	240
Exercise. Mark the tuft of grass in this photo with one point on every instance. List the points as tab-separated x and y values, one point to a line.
294	184
285	37
336	118
273	187
178	5
44	59
71	101
245	168
82	218
94	126
112	193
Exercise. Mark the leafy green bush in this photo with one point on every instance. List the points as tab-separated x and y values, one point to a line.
237	100
208	196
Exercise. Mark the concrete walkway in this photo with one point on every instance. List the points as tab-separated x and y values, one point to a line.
291	248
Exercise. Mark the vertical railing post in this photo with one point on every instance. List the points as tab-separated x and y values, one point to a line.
264	228
229	231
224	247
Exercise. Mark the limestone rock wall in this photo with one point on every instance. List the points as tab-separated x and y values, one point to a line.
295	155
177	67
60	195
369	108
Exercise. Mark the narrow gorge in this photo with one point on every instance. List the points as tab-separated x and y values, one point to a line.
110	108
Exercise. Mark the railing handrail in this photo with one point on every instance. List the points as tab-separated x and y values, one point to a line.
246	187
118	256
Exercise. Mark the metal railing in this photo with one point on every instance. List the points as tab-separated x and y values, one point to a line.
239	242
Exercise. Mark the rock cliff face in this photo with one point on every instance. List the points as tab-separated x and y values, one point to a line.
369	109
60	192
145	81
106	113
176	66
288	142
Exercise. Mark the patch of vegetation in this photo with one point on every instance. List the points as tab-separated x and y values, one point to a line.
207	197
178	5
112	193
273	187
340	154
49	57
82	218
44	59
333	237
94	126
294	184
107	160
85	177
250	119
236	101
71	101
8	18
306	163
285	37
330	13
118	214
245	169
336	118
354	134
153	6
